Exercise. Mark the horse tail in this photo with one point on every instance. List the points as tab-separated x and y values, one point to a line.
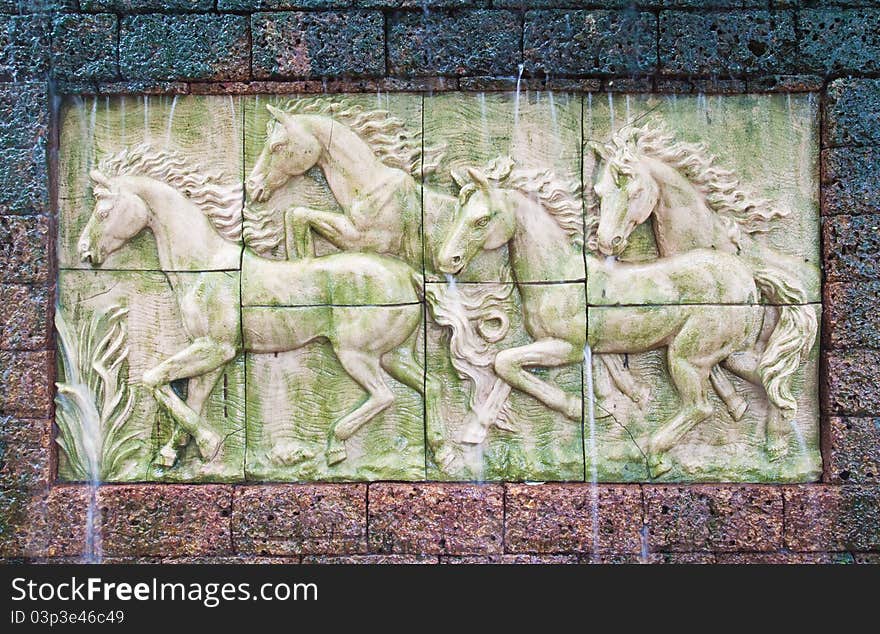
792	339
418	282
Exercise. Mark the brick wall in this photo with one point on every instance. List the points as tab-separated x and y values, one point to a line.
50	47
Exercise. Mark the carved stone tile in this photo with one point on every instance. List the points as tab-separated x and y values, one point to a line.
114	329
540	132
667	175
739	441
480	429
186	143
308	419
363	194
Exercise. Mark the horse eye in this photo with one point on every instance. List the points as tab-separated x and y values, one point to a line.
103	214
277	145
482	222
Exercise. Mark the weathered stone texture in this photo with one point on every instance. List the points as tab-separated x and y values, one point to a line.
442	519
851	248
84	46
852	113
851	181
454	43
713	518
851	318
24	114
27	387
739	42
396	560
24	46
509	559
559	518
273	5
24	249
165	520
24	317
300	519
24	187
25	453
590	42
299	44
838	41
784	557
184	47
853	450
47	525
832	518
852	380
141	6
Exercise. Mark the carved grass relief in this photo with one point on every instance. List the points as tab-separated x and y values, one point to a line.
477	287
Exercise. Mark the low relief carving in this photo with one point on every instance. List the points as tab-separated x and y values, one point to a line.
378	317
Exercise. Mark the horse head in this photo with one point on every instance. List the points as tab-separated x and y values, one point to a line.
119	215
483	219
628	194
290	150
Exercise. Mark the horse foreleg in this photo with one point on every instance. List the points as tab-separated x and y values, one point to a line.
478	422
365	370
198	390
637	391
734	403
337	228
203	356
511	366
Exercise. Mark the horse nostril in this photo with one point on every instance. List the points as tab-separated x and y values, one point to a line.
456	259
616	241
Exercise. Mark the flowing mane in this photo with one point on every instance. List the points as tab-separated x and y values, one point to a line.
720	186
561	199
386	135
220	202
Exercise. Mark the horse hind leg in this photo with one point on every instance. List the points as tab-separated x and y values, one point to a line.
365	369
198	390
734	403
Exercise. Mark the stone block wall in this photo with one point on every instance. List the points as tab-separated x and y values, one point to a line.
54	47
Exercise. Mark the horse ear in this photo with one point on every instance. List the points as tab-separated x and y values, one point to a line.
277	113
459	177
599	149
479	178
99	179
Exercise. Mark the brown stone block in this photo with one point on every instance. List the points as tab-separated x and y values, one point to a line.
443	519
27	377
562	518
852	382
300	519
24	249
867	558
24	317
26	453
48	524
510	559
165	520
831	518
648	558
713	518
370	559
784	557
853	450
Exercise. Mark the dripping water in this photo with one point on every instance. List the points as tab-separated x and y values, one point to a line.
592	448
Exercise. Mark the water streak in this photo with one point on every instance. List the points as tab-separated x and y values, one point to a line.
171	121
592	447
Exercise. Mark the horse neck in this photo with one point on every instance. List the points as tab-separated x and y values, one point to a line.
351	168
683	219
540	249
185	238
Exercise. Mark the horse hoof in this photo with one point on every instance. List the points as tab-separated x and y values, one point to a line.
182	440
336	455
739	410
776	451
473	433
658	466
445	458
209	445
166	457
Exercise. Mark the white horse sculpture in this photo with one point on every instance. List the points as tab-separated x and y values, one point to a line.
196	223
504	205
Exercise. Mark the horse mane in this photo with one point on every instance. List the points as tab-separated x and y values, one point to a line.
560	198
720	186
220	202
386	134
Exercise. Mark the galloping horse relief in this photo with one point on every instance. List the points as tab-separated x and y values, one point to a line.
464	287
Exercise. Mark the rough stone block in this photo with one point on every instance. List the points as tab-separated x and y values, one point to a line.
299	44
850	315
713	518
184	47
24	317
27	383
853	450
832	518
560	518
24	46
165	520
852	112
453	519
851	181
397	560
836	41
24	185
851	248
510	559
24	114
24	249
784	557
300	519
273	5
853	382
159	6
25	453
590	42
45	525
466	42
740	42
84	46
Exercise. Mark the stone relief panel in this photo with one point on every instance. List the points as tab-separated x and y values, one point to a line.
454	287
